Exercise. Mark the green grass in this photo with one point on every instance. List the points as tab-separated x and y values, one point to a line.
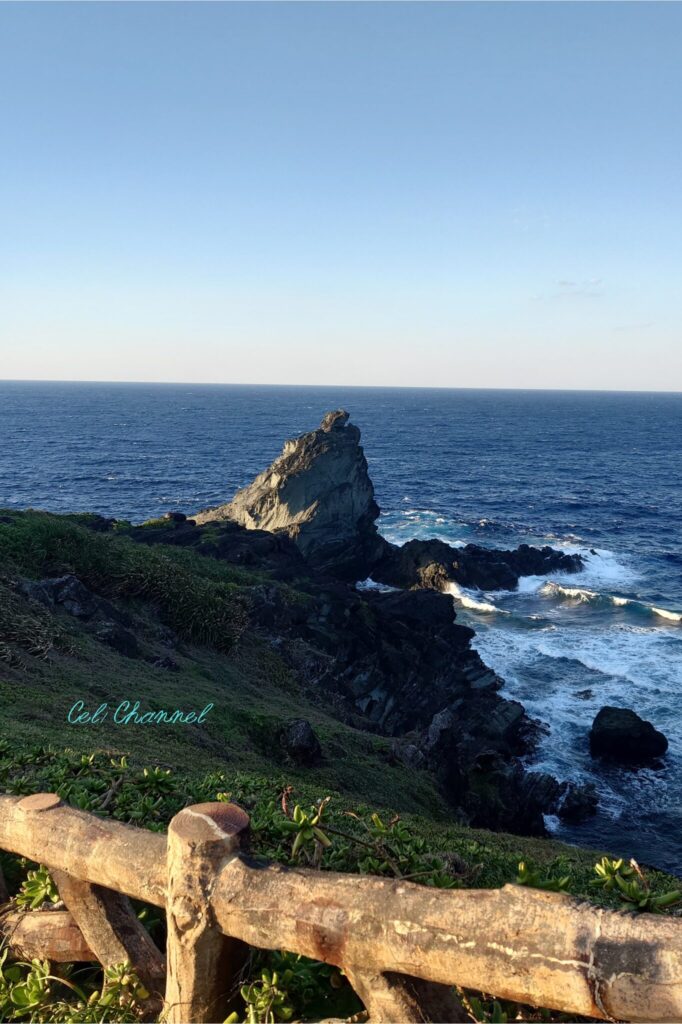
48	661
202	600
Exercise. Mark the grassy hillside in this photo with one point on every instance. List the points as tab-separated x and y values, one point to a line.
188	616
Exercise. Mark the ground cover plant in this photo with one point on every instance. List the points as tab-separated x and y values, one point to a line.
290	825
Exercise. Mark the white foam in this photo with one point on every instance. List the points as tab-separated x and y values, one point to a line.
602	568
666	614
530	584
469	599
370	584
577	593
593	597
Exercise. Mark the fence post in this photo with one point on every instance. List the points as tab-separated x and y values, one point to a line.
396	997
202	963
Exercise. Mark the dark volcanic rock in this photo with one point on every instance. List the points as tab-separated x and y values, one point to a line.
619	734
577	802
119	639
433	563
67	591
300	742
273	553
318	492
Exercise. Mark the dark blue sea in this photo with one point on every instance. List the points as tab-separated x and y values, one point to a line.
599	473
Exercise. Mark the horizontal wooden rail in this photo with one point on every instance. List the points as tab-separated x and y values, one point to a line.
545	949
53	935
542	948
121	857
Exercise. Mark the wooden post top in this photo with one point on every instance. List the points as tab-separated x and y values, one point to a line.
39	802
211	822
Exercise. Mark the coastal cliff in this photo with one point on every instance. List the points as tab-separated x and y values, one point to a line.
396	662
281	604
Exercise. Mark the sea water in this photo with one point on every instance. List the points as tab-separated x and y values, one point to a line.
597	473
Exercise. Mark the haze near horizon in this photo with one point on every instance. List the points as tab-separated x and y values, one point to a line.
462	195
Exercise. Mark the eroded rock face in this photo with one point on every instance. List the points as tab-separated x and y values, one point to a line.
619	734
318	492
397	663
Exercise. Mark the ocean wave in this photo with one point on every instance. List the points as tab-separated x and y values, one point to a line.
585	596
370	584
470	599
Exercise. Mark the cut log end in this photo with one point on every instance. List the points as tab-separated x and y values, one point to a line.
39	802
211	822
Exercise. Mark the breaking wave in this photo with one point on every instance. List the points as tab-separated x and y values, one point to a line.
470	599
584	596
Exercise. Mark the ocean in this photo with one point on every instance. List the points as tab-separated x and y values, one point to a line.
598	473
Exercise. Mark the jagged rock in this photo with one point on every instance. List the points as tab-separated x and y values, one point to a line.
300	742
433	563
577	802
318	492
619	734
67	591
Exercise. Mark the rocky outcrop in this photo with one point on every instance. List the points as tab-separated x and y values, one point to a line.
433	563
619	734
396	663
67	592
300	742
271	553
318	492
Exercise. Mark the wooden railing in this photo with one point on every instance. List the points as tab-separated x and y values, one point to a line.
402	946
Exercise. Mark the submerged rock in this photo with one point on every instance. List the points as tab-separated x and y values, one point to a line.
619	734
318	492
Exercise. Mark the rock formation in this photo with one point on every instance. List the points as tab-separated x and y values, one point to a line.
396	663
433	563
319	493
619	734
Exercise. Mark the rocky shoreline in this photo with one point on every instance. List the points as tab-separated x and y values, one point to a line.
395	662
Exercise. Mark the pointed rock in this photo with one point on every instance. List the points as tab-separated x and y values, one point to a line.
319	493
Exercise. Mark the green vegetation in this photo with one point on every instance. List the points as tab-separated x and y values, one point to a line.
292	826
358	811
200	600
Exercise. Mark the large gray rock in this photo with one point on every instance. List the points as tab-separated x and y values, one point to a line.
319	493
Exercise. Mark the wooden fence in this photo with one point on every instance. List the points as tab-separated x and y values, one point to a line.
401	945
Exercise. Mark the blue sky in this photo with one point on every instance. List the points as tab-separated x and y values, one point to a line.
457	195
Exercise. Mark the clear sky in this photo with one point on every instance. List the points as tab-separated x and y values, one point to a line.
441	194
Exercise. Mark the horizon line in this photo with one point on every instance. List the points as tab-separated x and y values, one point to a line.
364	387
